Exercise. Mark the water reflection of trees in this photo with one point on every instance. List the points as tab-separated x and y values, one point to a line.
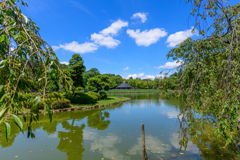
200	130
98	121
150	99
71	138
137	96
14	133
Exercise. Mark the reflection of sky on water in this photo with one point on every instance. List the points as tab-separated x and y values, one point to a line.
152	143
191	147
55	135
170	114
104	145
126	111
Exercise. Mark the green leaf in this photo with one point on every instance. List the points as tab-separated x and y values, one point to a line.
40	79
49	113
2	38
24	117
37	99
11	23
23	35
11	72
2	113
18	122
15	36
11	3
2	63
8	130
25	18
7	40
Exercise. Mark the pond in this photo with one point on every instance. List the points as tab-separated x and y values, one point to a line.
114	133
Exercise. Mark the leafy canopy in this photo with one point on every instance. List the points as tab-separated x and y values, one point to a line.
211	69
76	69
98	82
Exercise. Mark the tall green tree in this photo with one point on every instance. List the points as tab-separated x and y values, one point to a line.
89	74
98	82
76	70
64	66
131	82
210	79
170	82
156	83
115	80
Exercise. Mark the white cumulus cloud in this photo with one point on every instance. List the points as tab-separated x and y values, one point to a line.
114	28
178	37
149	77
127	68
134	76
142	16
141	75
107	41
67	63
78	48
160	76
147	37
171	65
55	48
103	38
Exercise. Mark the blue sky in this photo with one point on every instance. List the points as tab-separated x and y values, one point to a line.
125	37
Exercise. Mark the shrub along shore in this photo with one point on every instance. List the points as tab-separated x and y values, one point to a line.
77	101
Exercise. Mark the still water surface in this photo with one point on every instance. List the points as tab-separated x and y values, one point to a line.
113	133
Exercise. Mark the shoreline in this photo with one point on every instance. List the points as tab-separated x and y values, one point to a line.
80	108
134	92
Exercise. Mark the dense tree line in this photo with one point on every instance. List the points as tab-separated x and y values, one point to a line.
93	80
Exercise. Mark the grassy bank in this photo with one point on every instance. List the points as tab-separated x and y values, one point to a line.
133	91
109	100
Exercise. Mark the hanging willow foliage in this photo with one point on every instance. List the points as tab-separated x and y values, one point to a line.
25	61
211	70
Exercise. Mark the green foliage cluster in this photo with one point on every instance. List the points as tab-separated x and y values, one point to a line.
210	79
86	98
144	83
76	69
89	74
98	82
82	98
171	82
55	103
114	81
94	95
103	95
